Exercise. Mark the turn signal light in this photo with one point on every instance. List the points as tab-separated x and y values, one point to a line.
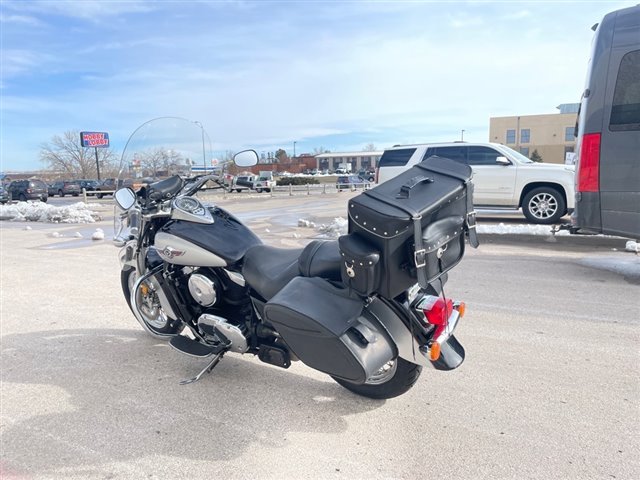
461	309
434	351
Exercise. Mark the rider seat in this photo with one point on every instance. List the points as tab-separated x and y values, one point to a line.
268	269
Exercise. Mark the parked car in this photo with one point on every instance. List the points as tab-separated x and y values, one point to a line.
243	182
24	190
503	178
108	185
351	182
4	195
64	187
89	185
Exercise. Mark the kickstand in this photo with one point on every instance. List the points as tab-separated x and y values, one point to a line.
210	366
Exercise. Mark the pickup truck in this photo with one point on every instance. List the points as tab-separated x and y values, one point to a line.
502	177
252	182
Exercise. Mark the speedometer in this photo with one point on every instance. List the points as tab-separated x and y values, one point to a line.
189	205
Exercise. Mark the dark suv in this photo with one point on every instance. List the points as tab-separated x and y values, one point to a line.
64	187
108	185
24	190
351	182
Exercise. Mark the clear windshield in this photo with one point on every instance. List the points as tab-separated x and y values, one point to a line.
164	147
520	157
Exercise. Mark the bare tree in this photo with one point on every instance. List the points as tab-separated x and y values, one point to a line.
319	150
370	147
65	156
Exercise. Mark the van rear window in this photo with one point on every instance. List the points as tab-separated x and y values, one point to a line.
625	111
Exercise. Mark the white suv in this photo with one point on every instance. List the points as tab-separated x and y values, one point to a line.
502	177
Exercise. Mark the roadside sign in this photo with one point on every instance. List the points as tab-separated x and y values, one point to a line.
94	139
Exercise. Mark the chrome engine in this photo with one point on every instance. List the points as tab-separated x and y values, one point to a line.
203	289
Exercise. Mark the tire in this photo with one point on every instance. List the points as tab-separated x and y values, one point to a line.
44	199
398	380
238	190
268	190
544	205
258	190
60	193
99	195
161	324
22	197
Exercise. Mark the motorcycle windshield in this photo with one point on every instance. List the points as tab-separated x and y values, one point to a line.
163	147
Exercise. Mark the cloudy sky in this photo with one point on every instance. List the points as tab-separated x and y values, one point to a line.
264	74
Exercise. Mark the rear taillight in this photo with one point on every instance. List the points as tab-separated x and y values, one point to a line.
436	309
589	163
29	190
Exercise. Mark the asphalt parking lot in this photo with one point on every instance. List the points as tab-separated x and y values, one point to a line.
550	386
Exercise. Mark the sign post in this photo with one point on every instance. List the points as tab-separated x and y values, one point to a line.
95	140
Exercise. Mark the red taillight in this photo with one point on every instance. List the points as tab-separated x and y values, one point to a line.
438	310
29	190
589	164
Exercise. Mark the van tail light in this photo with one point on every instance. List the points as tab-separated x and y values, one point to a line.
29	190
589	164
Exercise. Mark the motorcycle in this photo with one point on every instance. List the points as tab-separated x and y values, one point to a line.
193	274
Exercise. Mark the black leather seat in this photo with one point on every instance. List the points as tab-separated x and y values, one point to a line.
268	269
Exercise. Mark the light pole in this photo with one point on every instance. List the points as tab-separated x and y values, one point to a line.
204	157
462	135
294	149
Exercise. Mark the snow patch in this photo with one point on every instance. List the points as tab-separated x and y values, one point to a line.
632	246
98	234
42	212
28	228
502	229
306	223
77	235
338	227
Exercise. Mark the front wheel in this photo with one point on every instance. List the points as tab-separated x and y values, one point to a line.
544	205
148	303
99	195
258	190
393	379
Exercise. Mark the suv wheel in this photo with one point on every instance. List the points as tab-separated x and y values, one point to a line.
544	205
99	195
60	193
22	197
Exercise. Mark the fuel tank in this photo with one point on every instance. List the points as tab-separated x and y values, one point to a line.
221	243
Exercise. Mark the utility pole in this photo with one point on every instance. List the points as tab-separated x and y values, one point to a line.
462	135
294	149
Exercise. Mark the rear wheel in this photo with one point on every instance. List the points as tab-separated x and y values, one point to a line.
258	190
544	205
148	303
99	195
22	197
60	193
394	378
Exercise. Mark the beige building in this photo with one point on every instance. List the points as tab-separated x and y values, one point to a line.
551	135
359	160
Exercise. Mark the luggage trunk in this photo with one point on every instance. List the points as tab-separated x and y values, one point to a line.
416	222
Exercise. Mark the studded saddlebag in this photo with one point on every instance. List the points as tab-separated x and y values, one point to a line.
392	217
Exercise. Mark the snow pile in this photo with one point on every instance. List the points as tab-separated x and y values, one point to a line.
502	229
306	223
98	234
334	229
42	212
632	246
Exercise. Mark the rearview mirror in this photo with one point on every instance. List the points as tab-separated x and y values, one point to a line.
246	158
502	161
125	198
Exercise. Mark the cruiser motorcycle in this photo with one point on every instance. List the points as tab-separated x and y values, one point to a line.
194	275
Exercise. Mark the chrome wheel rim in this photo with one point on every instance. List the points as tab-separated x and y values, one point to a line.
384	374
543	206
148	305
